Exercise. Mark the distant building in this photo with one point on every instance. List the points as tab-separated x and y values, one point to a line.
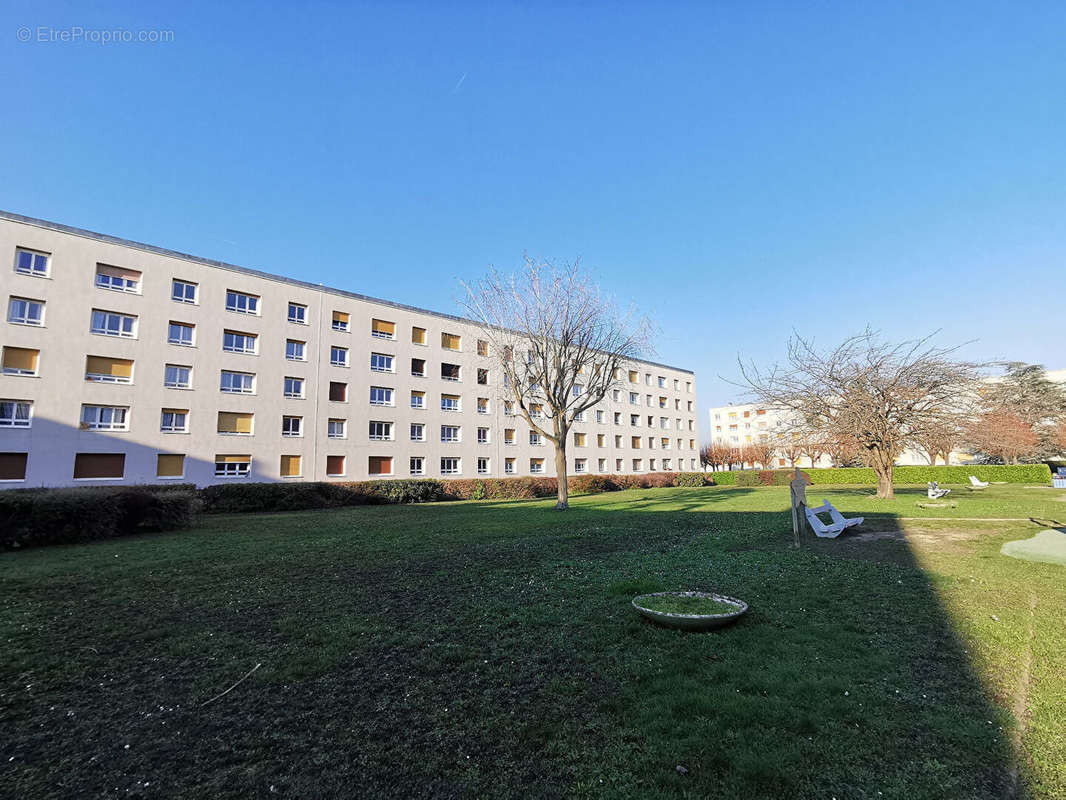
751	423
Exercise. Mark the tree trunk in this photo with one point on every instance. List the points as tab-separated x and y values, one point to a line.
560	475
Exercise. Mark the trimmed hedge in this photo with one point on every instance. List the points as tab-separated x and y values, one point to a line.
30	517
865	476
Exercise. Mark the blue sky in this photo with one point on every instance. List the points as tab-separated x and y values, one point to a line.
736	170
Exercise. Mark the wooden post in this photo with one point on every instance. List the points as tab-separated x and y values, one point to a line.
798	496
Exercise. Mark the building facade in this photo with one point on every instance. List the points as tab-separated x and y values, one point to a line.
128	363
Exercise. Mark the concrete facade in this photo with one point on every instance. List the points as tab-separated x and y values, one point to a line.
127	291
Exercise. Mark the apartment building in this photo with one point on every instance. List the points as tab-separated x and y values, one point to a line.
128	363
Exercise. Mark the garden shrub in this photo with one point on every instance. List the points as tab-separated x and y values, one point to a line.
723	478
748	478
691	479
593	484
407	490
52	516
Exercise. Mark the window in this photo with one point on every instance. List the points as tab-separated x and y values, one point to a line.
176	376
508	466
483	377
633	376
482	466
31	262
602	465
482	435
108	370
664	443
241	303
418	367
508	408
292	426
662	402
15	413
535	410
616	395
449	402
298	313
111	323
418	335
450	341
340	321
688	386
338	392
601	440
482	347
536	466
618	441
690	409
667	464
380	465
449	372
295	350
174	420
450	466
634	399
88	466
651	464
118	279
449	433
237	382
638	464
662	382
534	438
580	440
483	405
619	464
418	399
581	465
380	362
180	333
381	431
508	435
24	311
664	423
170	465
233	466
235	423
105	418
337	429
334	466
291	466
294	387
634	420
578	389
601	417
381	329
647	378
417	465
338	356
418	432
635	442
380	396
617	417
579	416
237	342
183	292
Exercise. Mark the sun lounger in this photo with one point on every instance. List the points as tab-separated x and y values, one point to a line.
838	525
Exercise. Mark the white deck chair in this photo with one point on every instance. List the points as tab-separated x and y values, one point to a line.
833	530
934	492
978	484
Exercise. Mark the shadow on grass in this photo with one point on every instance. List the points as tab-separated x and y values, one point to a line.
488	650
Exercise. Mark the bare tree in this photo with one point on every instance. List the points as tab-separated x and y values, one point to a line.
791	447
876	393
842	449
763	451
1060	438
939	437
560	344
812	446
1003	435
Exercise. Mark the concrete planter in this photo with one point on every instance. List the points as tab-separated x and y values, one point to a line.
691	622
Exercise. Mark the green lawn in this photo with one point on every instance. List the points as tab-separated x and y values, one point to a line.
489	650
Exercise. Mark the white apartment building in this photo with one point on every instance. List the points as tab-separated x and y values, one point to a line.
128	363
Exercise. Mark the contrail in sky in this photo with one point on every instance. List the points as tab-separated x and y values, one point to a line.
459	83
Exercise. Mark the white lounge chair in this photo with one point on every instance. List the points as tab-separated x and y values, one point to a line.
978	484
934	491
833	530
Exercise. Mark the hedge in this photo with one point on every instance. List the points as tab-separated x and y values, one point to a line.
864	476
31	517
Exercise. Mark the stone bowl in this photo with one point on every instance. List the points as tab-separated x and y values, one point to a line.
692	622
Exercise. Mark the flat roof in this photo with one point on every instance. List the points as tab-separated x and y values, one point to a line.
162	251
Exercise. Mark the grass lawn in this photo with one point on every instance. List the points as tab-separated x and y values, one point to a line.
489	650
